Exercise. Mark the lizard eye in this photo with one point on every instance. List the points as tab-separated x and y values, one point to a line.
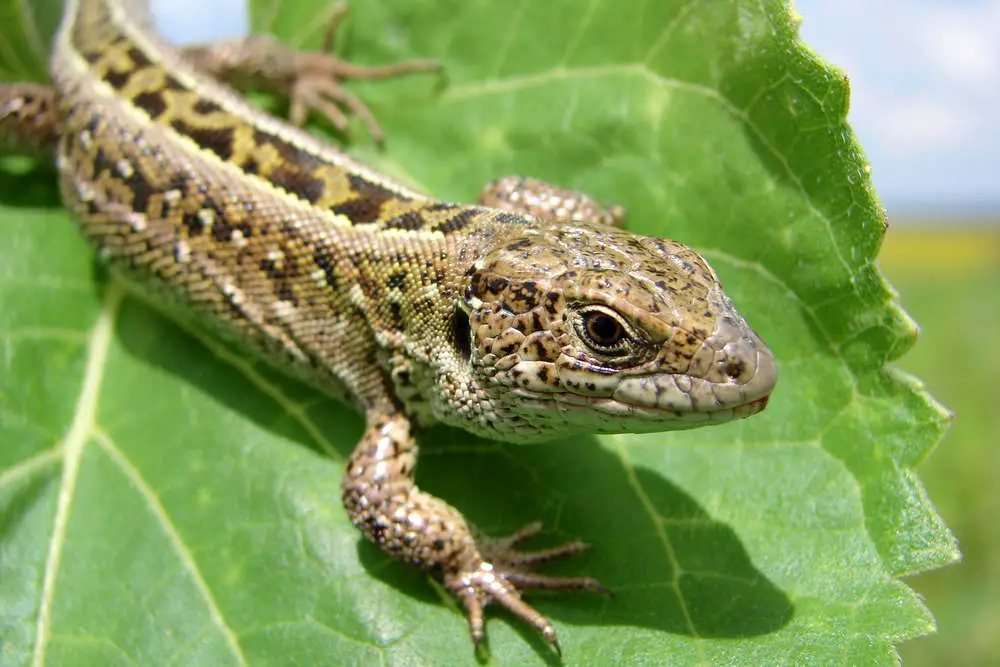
603	330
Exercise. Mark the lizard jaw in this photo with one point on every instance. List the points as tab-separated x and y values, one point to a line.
648	402
550	415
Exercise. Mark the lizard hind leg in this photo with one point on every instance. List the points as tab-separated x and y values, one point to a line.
309	80
383	501
538	198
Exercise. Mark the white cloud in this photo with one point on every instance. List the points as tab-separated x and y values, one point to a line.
962	44
925	125
909	123
925	79
197	21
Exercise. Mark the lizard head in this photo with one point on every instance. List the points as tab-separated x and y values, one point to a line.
585	328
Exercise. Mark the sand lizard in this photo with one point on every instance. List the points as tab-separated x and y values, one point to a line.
527	317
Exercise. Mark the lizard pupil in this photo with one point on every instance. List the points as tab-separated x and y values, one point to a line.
604	329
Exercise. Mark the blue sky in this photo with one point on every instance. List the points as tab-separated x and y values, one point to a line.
925	87
925	93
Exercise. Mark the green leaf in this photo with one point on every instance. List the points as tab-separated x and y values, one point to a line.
163	500
26	29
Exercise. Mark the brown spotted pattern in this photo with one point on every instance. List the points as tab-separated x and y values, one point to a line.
310	176
507	324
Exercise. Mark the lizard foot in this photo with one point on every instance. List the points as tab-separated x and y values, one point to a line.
502	573
318	86
309	80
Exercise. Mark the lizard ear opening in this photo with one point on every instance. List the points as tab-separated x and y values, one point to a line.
461	333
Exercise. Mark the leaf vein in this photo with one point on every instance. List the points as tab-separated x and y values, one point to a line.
574	40
668	31
174	537
298	411
661	533
72	447
46	333
26	467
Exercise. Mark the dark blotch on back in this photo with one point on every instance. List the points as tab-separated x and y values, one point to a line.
218	140
397	280
151	102
206	106
117	79
285	292
457	222
295	175
172	83
323	259
294	181
359	211
366	205
222	229
138	58
409	221
194	224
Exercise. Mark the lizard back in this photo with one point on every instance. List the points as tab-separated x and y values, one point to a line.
232	216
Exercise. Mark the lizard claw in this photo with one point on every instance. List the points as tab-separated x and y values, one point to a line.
502	573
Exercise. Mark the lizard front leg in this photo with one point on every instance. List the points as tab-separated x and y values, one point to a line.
417	528
29	122
538	198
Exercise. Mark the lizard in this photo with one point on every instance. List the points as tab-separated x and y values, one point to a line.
530	315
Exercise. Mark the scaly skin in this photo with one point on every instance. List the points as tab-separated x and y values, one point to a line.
521	325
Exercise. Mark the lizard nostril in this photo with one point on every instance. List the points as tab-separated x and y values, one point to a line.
733	369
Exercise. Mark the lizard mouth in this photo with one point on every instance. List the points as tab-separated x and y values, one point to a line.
608	415
689	394
652	402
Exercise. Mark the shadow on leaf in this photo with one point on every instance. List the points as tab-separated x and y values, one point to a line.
151	337
680	572
25	183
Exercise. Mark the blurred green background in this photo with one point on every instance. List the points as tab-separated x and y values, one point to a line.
948	275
